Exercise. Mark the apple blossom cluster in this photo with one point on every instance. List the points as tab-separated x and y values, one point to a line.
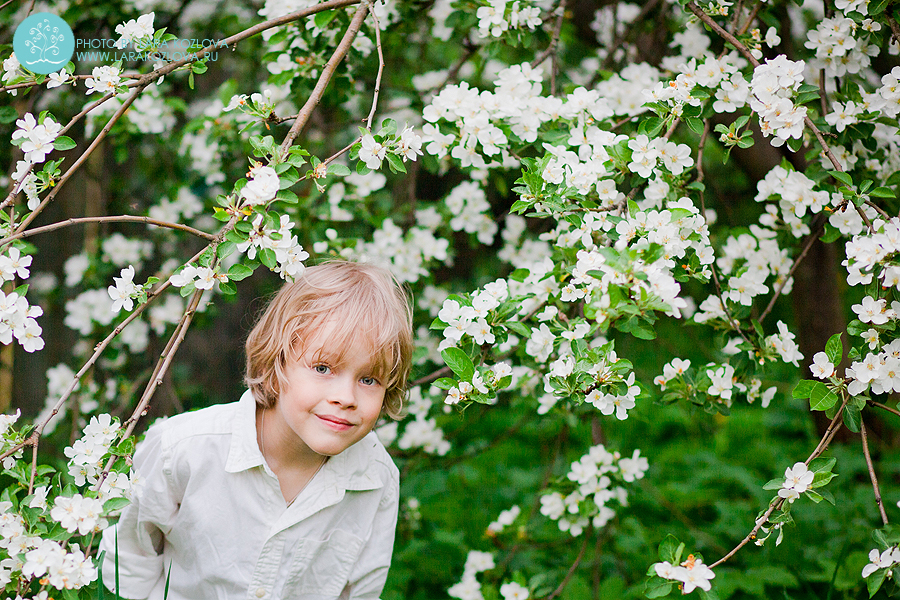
406	254
482	387
594	481
469	587
796	197
505	519
135	31
19	320
797	479
471	211
837	48
637	268
878	371
717	381
262	186
104	80
422	431
406	146
36	140
32	554
149	113
9	438
47	559
690	574
886	559
871	255
495	17
701	68
124	291
773	86
516	103
282	243
88	454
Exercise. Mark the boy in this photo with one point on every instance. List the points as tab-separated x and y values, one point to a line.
286	493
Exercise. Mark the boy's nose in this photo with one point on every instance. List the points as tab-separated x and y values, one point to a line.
344	393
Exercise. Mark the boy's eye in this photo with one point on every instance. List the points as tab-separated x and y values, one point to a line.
322	369
369	381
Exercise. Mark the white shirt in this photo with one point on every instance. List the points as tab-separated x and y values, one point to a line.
211	510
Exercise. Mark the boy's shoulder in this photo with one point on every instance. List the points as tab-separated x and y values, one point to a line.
212	420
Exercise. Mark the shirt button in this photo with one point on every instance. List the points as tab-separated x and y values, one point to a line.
261	592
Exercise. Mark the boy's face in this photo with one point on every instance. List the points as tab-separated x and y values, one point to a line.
327	407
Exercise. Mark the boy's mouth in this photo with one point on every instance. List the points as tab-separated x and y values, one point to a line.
335	423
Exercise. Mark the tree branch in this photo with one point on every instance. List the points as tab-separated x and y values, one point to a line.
551	49
865	445
562	585
109	219
811	238
324	78
883	407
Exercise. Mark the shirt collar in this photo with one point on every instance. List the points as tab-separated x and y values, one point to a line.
244	451
352	469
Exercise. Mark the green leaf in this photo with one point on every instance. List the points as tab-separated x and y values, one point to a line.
834	349
842	177
695	124
125	447
459	362
268	258
228	288
827	496
64	142
8	114
658	587
803	389
821	398
852	418
444	383
774	484
114	504
669	548
822	464
339	170
822	478
239	272
883	192
225	249
396	164
876	7
874	581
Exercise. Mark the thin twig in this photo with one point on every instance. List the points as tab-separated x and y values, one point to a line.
884	407
812	237
562	585
865	445
327	71
752	16
895	28
703	136
165	360
833	428
378	75
109	219
554	38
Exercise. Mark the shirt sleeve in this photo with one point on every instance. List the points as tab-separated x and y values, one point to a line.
140	531
368	576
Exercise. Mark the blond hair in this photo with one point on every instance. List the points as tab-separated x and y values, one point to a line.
360	302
